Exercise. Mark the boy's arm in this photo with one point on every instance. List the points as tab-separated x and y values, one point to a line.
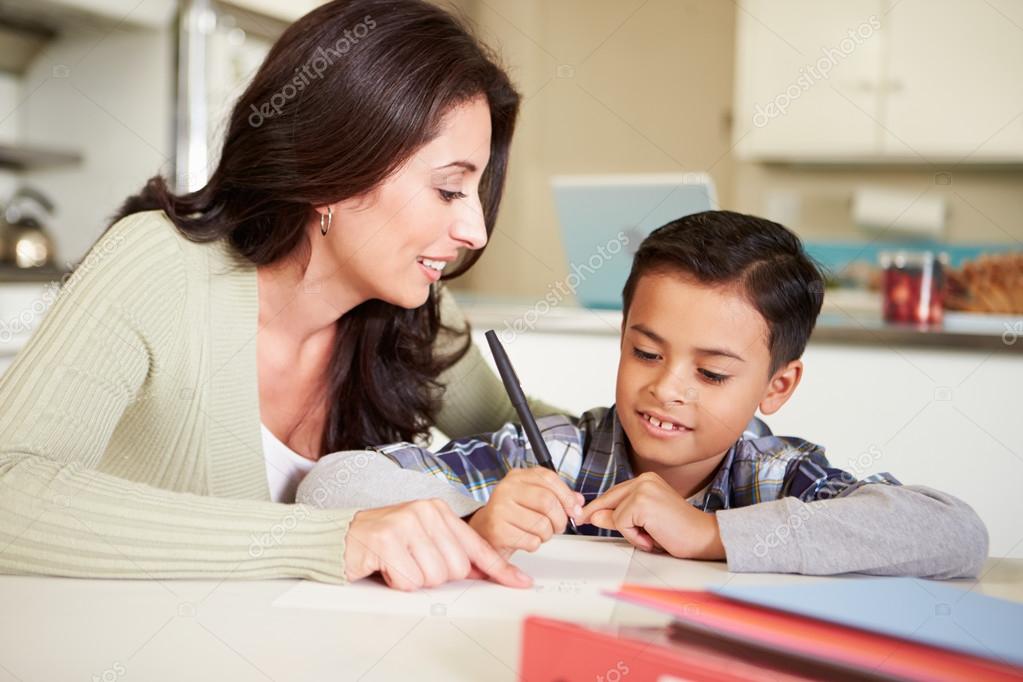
371	479
479	463
473	465
464	472
516	504
876	528
529	506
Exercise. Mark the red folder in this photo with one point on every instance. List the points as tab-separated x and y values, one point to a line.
556	651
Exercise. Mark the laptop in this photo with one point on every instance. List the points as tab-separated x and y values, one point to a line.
604	218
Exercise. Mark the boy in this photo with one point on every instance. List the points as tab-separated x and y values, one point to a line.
717	312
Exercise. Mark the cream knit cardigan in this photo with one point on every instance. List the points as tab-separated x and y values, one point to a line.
129	424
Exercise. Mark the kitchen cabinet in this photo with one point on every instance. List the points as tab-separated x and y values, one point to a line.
105	13
879	81
955	73
284	11
797	91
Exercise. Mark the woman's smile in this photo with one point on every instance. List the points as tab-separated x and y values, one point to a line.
433	269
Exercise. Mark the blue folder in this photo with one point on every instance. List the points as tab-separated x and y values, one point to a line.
918	610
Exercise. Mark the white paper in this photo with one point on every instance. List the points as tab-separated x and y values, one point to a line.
570	573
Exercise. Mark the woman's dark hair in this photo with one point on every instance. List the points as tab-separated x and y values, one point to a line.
346	95
764	260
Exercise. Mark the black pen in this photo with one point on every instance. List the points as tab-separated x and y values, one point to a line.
518	400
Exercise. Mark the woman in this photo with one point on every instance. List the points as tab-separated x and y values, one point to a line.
296	289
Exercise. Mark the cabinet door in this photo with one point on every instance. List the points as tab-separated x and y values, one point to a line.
123	13
955	80
806	78
285	11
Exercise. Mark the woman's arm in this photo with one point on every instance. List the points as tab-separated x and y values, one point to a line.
475	401
61	401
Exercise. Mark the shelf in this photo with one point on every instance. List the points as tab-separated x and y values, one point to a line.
10	274
25	157
91	15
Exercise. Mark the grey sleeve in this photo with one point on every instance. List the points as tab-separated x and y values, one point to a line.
875	529
364	479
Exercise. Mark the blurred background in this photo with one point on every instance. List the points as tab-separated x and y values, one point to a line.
887	133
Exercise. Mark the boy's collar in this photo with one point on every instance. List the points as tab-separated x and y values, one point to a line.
621	445
719	491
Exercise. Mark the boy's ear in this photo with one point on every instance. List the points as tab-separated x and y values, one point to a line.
781	387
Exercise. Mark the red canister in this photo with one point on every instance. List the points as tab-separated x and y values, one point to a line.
913	286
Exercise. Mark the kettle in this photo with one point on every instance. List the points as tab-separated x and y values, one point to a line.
24	240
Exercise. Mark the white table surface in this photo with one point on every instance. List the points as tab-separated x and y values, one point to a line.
64	629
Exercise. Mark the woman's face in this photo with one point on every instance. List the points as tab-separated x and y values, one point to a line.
394	242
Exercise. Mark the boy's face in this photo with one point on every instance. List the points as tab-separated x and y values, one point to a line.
694	356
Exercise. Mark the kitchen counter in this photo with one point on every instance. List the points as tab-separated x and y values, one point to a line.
959	331
10	273
845	319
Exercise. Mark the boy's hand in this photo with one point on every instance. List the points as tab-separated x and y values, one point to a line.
651	515
526	509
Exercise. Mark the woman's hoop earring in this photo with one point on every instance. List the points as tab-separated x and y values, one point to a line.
330	219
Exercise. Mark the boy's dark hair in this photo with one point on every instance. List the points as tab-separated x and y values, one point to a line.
763	259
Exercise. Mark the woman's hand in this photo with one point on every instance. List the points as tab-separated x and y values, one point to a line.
527	508
651	515
422	544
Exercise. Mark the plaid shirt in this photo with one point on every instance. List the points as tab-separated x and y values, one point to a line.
591	456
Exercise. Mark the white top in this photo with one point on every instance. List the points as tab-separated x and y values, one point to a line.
285	468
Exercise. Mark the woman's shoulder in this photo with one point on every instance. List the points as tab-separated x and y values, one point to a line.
152	233
152	229
147	251
145	235
138	252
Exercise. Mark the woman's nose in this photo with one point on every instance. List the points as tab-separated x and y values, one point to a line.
470	229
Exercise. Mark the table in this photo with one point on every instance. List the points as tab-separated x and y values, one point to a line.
66	629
